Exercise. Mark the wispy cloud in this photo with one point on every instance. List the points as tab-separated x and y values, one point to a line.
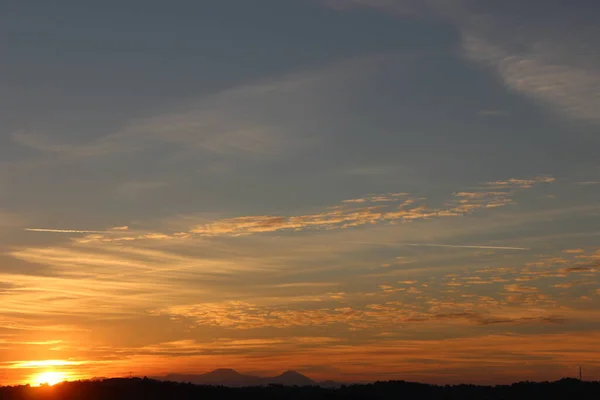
115	230
588	183
48	230
384	208
574	251
43	363
571	89
541	65
465	246
520	183
377	198
231	122
399	207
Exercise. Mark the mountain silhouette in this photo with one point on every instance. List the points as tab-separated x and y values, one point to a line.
232	378
218	377
291	378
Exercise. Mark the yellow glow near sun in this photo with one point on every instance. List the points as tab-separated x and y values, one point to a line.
50	377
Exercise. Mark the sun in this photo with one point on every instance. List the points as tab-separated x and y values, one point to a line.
50	377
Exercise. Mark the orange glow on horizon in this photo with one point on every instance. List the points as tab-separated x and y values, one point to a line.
49	377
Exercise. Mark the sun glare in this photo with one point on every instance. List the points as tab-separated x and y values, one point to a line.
51	378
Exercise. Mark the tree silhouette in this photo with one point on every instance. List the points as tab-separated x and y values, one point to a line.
138	388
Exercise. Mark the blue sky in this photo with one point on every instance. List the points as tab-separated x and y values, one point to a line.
270	179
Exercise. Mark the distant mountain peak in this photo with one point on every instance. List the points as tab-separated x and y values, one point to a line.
293	378
290	372
225	371
230	377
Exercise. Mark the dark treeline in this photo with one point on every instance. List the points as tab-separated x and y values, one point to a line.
136	388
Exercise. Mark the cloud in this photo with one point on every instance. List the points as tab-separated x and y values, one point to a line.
574	251
93	283
465	246
230	123
225	346
384	208
588	183
419	304
520	289
262	224
480	195
248	316
377	198
48	230
569	88
553	68
372	209
48	144
43	363
108	281
569	285
580	268
302	285
520	183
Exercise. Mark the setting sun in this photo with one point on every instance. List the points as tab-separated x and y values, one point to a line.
51	378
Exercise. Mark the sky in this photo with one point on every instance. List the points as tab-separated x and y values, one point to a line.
353	189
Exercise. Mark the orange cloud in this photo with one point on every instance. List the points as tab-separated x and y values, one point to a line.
520	183
574	251
372	209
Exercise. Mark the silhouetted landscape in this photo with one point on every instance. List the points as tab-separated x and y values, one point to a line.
232	378
145	388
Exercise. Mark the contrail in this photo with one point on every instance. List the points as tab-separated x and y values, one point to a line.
466	247
62	230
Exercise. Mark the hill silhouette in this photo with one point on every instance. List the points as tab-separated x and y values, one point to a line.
232	378
291	378
137	388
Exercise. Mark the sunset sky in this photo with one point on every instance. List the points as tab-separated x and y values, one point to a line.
352	189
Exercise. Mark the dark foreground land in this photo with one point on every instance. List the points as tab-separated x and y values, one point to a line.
135	388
